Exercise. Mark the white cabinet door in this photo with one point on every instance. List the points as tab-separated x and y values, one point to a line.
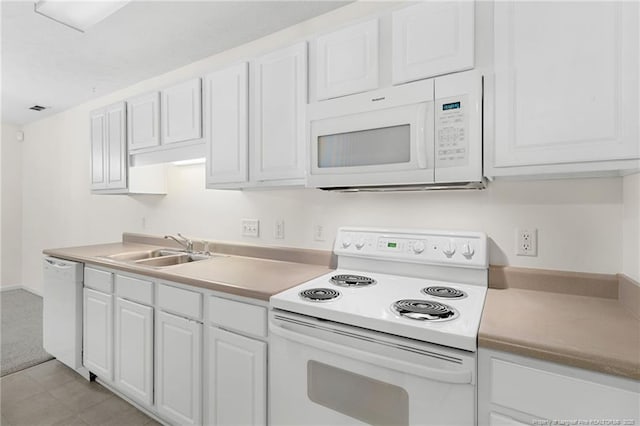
279	87
346	61
134	350
97	341
178	369
496	419
432	38
116	141
182	112
227	125
237	386
143	121
566	82
98	147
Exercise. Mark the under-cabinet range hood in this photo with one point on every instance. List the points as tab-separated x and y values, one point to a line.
425	135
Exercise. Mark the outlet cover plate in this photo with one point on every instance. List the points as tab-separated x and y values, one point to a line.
526	242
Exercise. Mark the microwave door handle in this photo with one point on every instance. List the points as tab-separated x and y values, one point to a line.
449	376
421	136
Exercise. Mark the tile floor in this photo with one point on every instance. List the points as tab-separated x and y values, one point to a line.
52	394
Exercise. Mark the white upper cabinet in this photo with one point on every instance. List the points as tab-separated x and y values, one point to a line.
432	38
109	148
226	119
116	141
98	154
143	117
346	61
279	97
182	112
566	87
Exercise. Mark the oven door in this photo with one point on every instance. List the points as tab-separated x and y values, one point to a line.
324	373
379	147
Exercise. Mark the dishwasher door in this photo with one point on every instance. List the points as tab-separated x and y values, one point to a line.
62	310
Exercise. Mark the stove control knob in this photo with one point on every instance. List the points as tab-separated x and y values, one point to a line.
359	244
346	242
467	250
449	249
418	247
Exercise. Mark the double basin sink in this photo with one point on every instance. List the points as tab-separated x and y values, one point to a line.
160	258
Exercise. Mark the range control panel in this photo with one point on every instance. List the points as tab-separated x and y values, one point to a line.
416	246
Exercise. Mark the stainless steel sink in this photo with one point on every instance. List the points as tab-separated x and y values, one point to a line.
160	258
170	260
141	255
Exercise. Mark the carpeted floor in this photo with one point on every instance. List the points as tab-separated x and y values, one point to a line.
21	333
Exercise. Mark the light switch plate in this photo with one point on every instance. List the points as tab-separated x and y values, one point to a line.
250	228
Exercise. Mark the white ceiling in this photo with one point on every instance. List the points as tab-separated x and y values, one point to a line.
45	63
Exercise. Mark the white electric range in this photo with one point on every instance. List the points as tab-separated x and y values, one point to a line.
387	338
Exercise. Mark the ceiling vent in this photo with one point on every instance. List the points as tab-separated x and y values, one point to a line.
37	108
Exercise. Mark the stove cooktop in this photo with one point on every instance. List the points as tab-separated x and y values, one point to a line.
372	306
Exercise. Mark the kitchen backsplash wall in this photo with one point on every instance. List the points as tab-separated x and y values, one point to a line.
580	222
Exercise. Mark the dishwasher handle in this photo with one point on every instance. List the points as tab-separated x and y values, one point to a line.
58	264
462	376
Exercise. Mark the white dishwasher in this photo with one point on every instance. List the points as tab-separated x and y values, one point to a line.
62	311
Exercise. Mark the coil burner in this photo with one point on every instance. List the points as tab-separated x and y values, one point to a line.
424	310
319	294
444	292
348	280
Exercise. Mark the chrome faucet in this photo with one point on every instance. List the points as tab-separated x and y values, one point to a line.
183	241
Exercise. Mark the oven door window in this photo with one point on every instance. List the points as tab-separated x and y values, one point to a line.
386	145
363	398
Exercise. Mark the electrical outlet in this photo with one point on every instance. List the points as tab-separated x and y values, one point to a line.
278	230
527	242
250	227
318	232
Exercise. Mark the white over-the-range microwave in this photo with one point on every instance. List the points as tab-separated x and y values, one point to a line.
421	135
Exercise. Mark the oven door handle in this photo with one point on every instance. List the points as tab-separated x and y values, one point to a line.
442	375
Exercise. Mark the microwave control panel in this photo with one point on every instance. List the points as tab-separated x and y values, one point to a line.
452	132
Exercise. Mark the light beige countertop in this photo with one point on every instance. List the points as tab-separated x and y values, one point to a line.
595	330
253	277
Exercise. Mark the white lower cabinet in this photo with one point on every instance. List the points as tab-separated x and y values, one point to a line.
237	379
97	342
145	339
496	419
515	390
178	369
134	350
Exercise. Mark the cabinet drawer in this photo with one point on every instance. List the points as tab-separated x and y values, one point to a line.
556	396
98	280
180	301
238	316
134	289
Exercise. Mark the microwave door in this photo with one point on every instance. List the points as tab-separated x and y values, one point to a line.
458	128
382	147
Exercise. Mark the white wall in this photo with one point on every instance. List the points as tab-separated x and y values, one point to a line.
580	222
631	226
11	208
